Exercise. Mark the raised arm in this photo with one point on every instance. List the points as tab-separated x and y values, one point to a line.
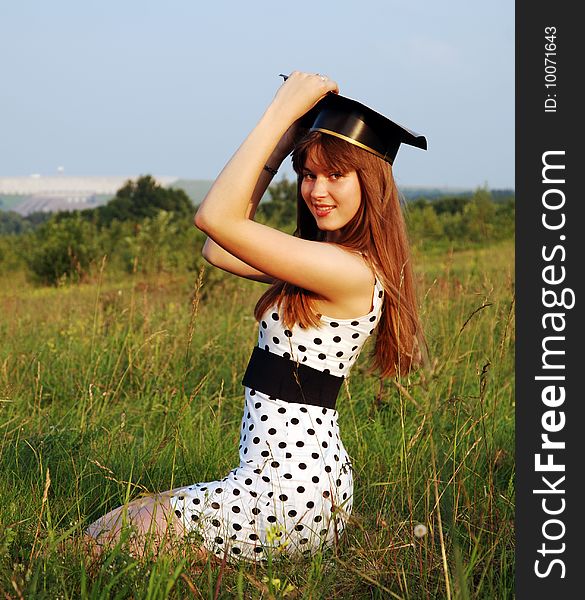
214	253
320	267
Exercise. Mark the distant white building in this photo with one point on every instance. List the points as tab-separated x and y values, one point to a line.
65	185
49	193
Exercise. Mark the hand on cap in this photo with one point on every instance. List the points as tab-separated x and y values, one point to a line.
301	91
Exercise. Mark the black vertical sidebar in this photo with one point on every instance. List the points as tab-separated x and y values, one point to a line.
550	261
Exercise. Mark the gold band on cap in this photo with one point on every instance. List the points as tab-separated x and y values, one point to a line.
352	141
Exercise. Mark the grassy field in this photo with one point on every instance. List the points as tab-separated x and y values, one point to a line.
118	387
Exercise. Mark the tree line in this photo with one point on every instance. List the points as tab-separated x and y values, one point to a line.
147	228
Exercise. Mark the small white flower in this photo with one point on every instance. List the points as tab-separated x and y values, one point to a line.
420	530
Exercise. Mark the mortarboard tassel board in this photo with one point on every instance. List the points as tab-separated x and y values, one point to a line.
360	125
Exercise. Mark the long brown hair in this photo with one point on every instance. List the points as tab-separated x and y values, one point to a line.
378	232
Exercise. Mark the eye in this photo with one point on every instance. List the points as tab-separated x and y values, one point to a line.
335	175
308	176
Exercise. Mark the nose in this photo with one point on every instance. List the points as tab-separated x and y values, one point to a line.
319	189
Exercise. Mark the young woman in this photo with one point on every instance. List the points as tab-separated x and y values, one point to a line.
344	275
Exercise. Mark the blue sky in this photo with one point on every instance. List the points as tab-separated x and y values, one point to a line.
128	87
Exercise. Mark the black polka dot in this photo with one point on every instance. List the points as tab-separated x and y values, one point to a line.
339	354
326	371
302	349
256	440
248	481
322	356
194	517
196	501
288	455
304	359
264	418
334	324
288	333
354	348
215	505
355	335
318	341
235	509
315	455
327	469
265	479
287	476
255	511
274	316
265	453
282	410
236	550
264	324
258	549
276	340
286	355
251	427
341	365
236	492
317	518
294	421
257	404
300	489
338	482
215	523
218	490
303	409
311	431
372	319
252	392
266	347
282	444
310	504
271	519
299	527
218	540
302	466
253	536
315	479
283	497
292	513
272	431
300	444
275	464
326	494
324	444
337	339
319	421
178	513
304	540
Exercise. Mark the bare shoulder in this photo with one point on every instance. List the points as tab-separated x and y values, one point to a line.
355	288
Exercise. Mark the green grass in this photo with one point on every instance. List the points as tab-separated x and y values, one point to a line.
123	386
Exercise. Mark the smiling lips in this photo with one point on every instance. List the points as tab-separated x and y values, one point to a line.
323	210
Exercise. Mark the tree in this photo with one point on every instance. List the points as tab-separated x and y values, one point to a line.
141	199
281	209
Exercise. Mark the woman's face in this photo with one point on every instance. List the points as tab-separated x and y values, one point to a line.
332	197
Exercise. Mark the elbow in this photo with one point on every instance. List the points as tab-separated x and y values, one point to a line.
207	253
200	221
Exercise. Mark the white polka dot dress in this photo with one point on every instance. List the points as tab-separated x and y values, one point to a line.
292	491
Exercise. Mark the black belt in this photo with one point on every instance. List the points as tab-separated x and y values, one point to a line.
287	380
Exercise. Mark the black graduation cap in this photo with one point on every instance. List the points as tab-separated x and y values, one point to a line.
360	125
